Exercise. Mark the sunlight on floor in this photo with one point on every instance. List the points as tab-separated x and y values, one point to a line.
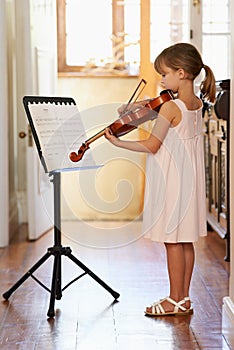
102	234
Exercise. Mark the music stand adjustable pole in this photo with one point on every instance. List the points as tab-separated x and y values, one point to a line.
57	251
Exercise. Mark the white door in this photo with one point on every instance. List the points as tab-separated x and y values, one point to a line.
39	36
39	186
4	187
43	45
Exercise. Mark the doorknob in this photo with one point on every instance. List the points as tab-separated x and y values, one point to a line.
23	134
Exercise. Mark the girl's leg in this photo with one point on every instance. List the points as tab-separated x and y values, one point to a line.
176	270
189	256
180	262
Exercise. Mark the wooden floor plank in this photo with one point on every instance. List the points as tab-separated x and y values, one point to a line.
87	318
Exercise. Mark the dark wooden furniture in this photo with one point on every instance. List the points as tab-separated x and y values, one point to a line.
217	147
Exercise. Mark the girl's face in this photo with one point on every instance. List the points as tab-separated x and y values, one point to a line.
170	78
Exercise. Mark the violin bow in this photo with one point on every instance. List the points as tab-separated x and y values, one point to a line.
143	82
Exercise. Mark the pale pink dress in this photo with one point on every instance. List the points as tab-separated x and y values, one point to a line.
175	199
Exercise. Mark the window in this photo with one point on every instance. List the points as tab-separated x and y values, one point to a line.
99	37
103	37
169	24
216	36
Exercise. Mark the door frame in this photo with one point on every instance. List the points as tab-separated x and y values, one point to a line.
4	174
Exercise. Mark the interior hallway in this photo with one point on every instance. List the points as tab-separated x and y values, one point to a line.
86	317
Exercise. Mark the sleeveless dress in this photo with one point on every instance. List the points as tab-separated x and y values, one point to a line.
175	197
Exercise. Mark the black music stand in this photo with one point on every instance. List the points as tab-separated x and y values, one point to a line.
57	250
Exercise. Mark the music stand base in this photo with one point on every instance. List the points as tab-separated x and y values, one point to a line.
57	251
56	290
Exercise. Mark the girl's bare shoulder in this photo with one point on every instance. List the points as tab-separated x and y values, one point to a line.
170	111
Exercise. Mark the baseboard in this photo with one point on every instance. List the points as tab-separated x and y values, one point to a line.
228	321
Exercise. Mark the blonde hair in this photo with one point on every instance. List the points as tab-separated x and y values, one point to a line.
187	57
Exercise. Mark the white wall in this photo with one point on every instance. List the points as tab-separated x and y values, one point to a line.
228	302
4	188
118	187
232	166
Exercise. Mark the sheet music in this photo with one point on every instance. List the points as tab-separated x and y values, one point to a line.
60	131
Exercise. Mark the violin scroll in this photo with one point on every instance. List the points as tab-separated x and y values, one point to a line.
76	157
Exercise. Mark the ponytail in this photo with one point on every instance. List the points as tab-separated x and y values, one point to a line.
208	88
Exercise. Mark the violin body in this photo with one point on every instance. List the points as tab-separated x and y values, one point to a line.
128	121
131	119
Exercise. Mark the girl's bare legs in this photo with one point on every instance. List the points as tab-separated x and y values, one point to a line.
176	270
189	256
180	263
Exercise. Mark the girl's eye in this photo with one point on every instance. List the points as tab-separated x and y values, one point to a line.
163	75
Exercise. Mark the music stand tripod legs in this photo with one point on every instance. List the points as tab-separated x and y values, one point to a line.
57	251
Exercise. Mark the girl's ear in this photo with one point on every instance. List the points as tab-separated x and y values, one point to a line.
182	73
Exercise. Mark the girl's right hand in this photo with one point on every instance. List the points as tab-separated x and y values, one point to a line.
132	106
122	109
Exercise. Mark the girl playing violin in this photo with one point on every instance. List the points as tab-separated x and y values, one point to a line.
175	199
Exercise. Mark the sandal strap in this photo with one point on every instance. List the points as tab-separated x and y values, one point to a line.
177	305
158	308
187	299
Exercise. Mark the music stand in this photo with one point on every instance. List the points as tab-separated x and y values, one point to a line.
57	250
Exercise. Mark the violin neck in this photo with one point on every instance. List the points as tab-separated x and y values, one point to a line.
95	137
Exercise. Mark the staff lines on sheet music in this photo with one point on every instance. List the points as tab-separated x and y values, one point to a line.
60	130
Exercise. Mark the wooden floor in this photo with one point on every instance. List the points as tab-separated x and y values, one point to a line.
86	316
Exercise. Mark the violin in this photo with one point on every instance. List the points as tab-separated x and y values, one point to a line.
128	121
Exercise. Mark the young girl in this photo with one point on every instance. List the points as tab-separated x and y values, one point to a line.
175	203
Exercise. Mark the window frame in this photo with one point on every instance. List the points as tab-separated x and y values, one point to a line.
117	27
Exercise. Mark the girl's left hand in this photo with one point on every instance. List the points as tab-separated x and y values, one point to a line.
110	137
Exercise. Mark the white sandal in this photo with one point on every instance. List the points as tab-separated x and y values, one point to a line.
188	299
158	310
